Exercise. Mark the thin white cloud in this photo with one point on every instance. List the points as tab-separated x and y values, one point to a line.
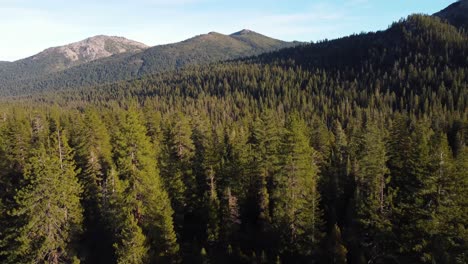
30	26
26	31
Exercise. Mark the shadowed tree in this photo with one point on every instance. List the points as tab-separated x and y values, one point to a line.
49	221
144	194
297	217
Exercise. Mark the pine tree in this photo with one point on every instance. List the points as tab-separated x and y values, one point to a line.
336	183
235	161
409	164
234	187
48	206
144	195
441	216
458	204
372	198
15	143
297	216
262	165
94	158
132	248
265	141
129	243
176	169
213	207
204	221
233	181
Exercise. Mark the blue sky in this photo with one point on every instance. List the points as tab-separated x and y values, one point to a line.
30	26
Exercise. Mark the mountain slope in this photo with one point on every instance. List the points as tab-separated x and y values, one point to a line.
91	49
4	64
416	35
206	48
201	49
63	57
456	14
257	41
402	60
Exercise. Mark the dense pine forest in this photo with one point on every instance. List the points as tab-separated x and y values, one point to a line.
345	151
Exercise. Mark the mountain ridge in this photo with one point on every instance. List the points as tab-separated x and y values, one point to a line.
200	49
456	14
242	32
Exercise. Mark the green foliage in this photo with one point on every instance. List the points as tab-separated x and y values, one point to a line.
91	141
176	171
132	247
297	215
48	221
372	197
144	194
352	150
441	219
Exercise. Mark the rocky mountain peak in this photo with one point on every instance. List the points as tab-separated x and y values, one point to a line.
243	32
93	48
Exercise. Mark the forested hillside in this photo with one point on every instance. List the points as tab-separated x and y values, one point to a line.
55	69
456	14
345	151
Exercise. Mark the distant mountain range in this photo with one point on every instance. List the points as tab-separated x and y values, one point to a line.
103	59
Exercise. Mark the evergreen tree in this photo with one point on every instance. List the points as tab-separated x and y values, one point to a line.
265	140
372	198
297	216
129	243
144	194
132	247
48	208
458	235
15	143
204	222
213	208
336	182
176	169
441	216
409	164
262	165
94	158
